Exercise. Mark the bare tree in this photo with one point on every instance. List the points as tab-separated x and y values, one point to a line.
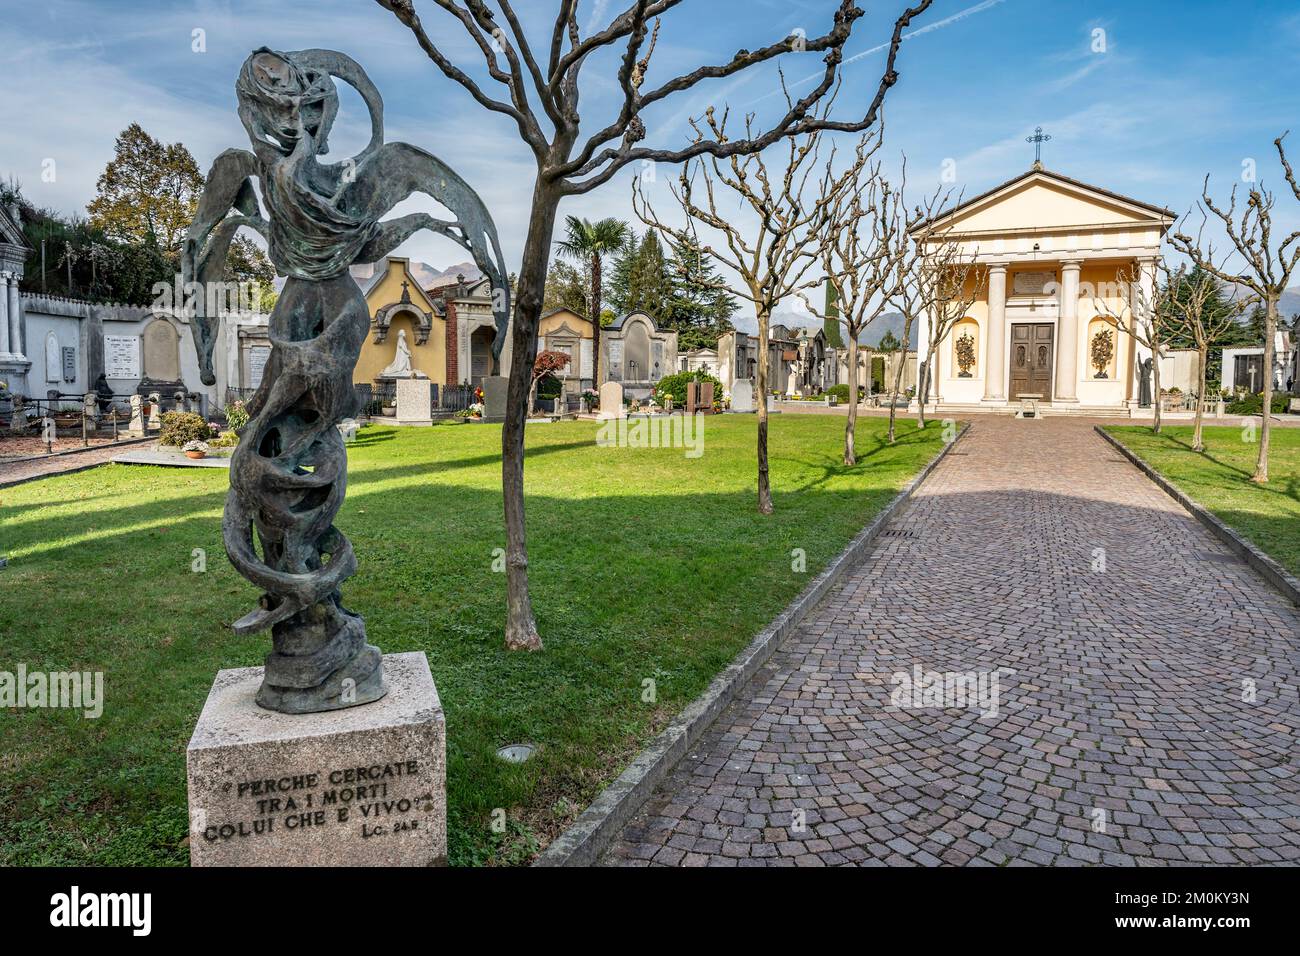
913	290
865	235
1266	270
773	259
938	281
1142	309
957	281
537	93
1199	312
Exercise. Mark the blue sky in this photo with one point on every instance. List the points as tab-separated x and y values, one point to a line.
1181	89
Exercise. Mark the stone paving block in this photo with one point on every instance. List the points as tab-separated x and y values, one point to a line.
1119	689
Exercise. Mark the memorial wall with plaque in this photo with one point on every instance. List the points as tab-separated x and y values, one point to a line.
121	356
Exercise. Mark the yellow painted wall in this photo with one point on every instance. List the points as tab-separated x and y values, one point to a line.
563	317
430	358
1042	205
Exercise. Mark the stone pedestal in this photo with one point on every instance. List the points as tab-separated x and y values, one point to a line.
365	786
414	401
495	390
137	427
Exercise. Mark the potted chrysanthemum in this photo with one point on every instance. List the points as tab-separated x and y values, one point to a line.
195	449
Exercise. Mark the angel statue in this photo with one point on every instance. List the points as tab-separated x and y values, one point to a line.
288	475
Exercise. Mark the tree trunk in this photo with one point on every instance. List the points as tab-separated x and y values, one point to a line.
595	325
521	629
898	375
1198	440
849	456
1155	385
1270	329
764	489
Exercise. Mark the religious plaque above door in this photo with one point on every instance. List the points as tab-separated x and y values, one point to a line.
1031	359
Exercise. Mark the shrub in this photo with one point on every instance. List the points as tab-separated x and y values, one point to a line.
675	385
227	439
841	392
236	415
181	427
1254	404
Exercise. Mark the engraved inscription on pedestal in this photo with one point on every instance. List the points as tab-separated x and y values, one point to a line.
363	786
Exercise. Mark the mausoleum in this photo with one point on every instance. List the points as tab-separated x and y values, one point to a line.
1049	246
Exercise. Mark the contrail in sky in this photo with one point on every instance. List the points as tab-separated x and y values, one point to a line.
937	25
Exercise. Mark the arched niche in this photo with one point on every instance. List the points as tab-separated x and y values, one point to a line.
966	348
162	351
636	349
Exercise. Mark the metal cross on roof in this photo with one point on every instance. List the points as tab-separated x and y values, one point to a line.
1038	139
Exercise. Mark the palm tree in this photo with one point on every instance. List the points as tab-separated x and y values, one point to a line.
588	243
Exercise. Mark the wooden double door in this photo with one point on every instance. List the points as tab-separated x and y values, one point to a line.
1031	359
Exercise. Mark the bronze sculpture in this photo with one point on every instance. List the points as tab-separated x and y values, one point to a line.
288	476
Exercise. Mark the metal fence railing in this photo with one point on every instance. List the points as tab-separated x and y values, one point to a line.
374	397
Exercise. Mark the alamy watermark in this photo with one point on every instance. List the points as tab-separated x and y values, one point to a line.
948	689
660	431
73	690
216	298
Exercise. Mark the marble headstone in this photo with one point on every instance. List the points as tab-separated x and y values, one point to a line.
495	390
611	401
414	401
742	396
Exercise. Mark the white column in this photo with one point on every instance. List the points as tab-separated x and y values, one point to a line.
4	312
16	343
1067	334
995	335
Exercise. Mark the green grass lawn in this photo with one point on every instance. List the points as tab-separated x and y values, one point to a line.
1268	515
644	564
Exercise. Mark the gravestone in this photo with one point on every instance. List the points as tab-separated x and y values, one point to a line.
136	428
18	420
155	411
162	356
363	786
611	401
742	396
496	388
706	398
414	401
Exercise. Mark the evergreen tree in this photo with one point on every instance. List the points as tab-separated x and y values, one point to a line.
566	287
699	301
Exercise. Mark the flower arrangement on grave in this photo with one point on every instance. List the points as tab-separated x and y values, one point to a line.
195	449
475	410
1102	350
236	415
965	354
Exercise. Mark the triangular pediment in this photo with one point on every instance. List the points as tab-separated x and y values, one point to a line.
10	231
1041	200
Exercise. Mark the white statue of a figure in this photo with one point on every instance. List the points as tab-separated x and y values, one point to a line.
401	365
